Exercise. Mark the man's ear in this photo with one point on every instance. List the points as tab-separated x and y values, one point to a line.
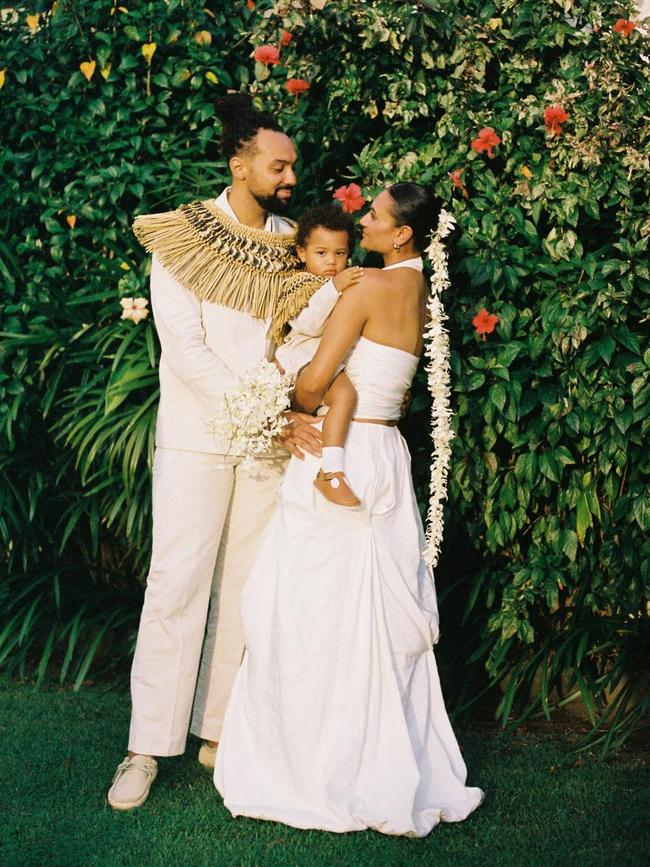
237	168
302	255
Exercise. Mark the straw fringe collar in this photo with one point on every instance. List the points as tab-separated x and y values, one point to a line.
221	261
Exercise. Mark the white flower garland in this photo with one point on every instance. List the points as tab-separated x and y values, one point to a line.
439	380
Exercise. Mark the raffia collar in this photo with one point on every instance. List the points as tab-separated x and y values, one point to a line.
222	261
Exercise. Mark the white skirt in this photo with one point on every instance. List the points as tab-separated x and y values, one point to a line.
337	720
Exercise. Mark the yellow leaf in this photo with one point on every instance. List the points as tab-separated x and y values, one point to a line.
106	71
203	37
211	77
148	50
55	7
125	266
2	78
32	21
494	23
209	12
88	68
71	220
526	172
123	9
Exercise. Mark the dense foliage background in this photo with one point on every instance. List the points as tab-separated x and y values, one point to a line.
107	112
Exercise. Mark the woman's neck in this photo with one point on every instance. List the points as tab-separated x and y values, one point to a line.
401	255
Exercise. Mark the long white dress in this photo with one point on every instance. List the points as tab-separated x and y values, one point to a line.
336	720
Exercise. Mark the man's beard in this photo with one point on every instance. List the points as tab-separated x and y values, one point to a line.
273	203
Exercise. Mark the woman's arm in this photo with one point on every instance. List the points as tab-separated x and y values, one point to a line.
343	328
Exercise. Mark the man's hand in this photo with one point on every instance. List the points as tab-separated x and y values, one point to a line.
299	436
345	279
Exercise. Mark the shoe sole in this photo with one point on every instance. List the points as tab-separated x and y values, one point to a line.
125	806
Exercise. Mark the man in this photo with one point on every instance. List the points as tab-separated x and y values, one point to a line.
216	274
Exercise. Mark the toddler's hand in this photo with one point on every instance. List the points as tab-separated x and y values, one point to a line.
346	279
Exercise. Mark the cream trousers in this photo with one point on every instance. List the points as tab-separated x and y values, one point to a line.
208	514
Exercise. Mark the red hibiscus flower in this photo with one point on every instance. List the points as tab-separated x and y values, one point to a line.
486	141
554	117
250	5
624	27
485	322
350	198
267	54
296	85
457	180
285	38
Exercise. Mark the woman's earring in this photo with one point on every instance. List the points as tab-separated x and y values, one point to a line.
396	246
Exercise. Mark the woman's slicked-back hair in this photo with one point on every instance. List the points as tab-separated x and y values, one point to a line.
327	216
240	123
418	207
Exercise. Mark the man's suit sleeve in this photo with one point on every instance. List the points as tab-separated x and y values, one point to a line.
177	313
312	319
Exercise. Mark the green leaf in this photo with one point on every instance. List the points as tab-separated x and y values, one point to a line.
583	518
641	510
570	544
606	348
548	465
497	395
474	380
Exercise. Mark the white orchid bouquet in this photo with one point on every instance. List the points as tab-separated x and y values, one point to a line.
252	414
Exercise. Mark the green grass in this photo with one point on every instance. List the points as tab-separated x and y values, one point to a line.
60	748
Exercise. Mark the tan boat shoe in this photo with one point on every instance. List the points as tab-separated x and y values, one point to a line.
207	756
334	487
132	782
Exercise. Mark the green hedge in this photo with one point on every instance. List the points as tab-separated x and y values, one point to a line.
549	485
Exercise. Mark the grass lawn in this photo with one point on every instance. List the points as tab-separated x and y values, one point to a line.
60	748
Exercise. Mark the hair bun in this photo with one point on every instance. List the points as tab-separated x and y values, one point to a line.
228	107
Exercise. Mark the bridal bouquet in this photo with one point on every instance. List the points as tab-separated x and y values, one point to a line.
251	415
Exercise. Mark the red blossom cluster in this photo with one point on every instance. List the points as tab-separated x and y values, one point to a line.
350	198
485	322
457	180
269	55
554	117
266	54
487	140
624	27
297	85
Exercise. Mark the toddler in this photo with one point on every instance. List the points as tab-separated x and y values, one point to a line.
324	241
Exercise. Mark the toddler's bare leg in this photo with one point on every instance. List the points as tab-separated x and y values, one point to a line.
341	400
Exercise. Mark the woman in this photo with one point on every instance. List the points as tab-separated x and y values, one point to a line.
336	720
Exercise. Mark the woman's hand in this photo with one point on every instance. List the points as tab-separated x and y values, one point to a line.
345	279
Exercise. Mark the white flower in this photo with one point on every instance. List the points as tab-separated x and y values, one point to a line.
134	308
251	415
446	223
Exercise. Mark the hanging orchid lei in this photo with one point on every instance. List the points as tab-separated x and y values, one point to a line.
439	379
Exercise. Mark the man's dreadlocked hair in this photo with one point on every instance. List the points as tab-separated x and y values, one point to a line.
240	123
